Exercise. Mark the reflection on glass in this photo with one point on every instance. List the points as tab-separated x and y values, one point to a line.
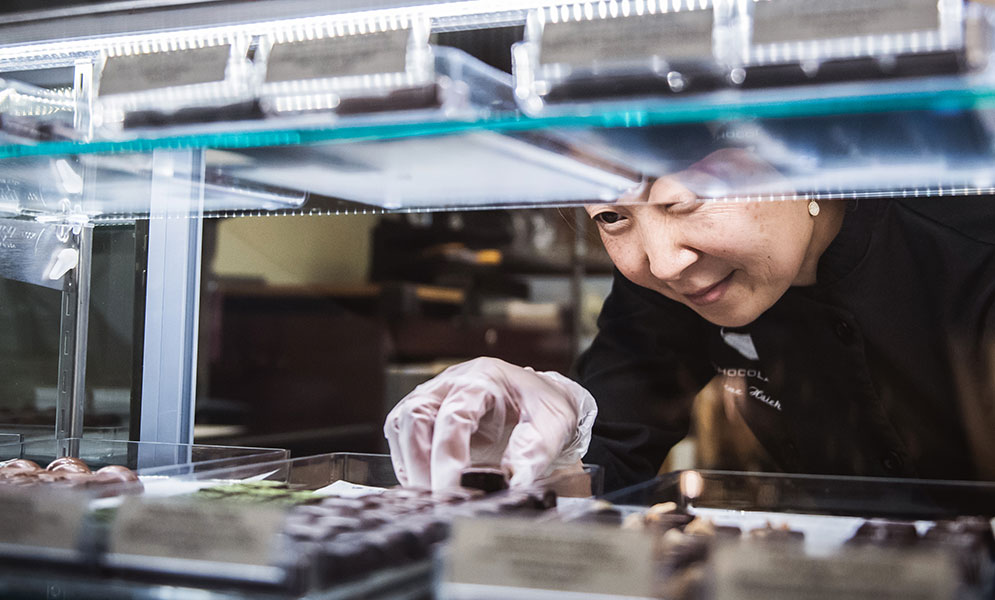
30	323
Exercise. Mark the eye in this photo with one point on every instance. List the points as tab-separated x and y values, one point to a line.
607	218
683	204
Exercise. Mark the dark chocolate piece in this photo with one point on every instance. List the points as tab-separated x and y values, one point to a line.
488	480
643	84
239	111
878	531
342	560
855	69
344	506
663	522
423	97
457	496
601	511
430	530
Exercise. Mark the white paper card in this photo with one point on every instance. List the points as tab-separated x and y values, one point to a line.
372	53
345	489
209	531
46	521
684	35
776	21
142	72
744	572
563	557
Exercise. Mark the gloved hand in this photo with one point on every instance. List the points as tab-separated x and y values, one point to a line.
489	412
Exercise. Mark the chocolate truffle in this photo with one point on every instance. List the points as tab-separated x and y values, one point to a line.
114	473
19	464
68	463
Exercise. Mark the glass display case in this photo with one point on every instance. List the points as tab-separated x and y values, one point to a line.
129	133
715	534
332	525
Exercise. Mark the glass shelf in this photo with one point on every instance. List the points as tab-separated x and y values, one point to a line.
898	152
475	142
942	94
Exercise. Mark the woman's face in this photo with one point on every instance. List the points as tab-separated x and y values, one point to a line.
728	261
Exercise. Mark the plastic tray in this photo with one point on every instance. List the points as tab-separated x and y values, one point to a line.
814	494
750	536
145	458
290	574
844	532
47	432
294	574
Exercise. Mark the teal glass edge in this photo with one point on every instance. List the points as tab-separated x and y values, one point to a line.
659	113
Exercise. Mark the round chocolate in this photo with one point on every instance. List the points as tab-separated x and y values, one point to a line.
19	464
116	473
68	463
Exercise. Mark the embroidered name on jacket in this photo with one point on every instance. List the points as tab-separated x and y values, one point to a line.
743	376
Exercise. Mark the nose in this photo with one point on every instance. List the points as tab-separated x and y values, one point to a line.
667	254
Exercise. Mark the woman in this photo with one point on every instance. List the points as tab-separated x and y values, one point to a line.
853	338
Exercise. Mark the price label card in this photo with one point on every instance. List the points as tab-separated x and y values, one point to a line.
367	54
142	72
345	489
216	532
42	520
684	35
560	557
750	572
778	21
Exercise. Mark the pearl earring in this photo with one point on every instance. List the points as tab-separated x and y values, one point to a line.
813	208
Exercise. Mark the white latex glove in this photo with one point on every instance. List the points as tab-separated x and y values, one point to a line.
486	412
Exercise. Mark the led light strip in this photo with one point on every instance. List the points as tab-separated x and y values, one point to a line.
939	191
948	35
443	15
602	9
34	103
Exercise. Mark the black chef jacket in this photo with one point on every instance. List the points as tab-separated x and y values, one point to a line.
885	367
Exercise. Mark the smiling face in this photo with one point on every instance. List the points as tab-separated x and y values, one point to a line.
729	261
